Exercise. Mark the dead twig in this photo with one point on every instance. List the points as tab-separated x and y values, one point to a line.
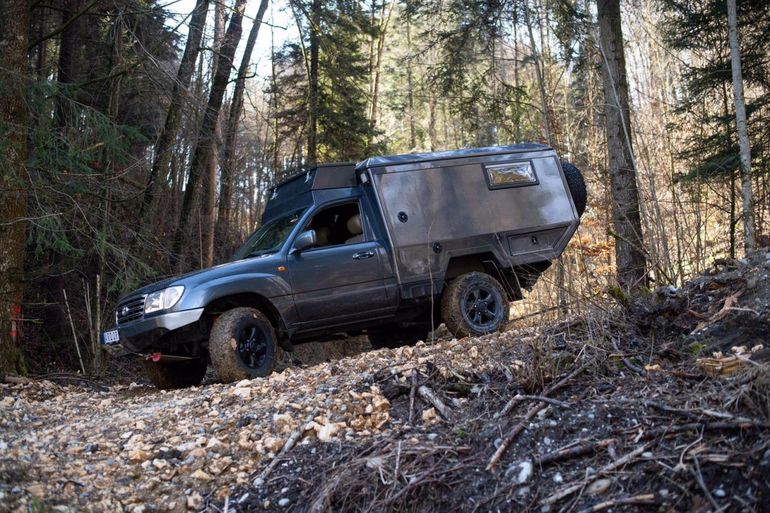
626	361
412	393
74	334
698	413
518	428
430	396
573	451
647	498
520	398
292	440
699	426
555	402
570	489
699	478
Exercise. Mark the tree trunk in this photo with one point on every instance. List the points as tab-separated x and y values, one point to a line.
749	242
312	132
231	136
384	23
205	141
164	146
630	259
66	68
410	86
14	28
209	206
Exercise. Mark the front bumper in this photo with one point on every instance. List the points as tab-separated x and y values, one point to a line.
137	336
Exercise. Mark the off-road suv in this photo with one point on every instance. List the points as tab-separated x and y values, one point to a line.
387	247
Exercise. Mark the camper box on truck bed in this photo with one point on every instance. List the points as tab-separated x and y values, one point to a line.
512	201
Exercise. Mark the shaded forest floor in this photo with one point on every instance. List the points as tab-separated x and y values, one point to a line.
610	412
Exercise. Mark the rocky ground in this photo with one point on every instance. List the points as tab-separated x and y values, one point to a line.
663	409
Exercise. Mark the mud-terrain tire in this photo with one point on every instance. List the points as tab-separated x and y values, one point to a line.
242	345
396	337
170	375
577	186
474	304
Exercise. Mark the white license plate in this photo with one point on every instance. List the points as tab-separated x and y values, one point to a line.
110	337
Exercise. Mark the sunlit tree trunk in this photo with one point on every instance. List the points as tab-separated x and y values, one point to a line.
231	134
164	148
630	259
205	141
384	24
315	39
749	242
209	206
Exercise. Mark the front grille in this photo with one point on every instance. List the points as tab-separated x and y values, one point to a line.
131	309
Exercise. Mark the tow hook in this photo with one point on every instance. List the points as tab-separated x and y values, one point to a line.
158	356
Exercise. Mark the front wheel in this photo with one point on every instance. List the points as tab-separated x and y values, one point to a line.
242	345
474	304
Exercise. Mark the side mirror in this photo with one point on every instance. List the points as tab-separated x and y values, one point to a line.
304	240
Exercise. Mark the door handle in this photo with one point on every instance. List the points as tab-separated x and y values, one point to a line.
363	255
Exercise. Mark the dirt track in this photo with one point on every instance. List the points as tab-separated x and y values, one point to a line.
637	427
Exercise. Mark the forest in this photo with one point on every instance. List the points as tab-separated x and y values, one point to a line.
140	140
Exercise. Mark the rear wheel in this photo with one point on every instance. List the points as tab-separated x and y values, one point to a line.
175	374
474	304
242	345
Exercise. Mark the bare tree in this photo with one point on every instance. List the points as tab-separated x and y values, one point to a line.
231	135
14	29
205	140
315	41
208	211
630	259
749	242
164	146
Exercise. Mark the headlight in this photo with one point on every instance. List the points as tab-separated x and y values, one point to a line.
163	299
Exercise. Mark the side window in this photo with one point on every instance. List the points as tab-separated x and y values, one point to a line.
340	224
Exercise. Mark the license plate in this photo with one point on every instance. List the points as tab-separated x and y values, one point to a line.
110	337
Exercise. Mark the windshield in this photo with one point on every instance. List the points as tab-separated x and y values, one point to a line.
270	237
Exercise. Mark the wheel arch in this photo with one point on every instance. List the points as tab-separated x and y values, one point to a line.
484	262
243	299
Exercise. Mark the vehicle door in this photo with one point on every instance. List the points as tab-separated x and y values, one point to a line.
341	279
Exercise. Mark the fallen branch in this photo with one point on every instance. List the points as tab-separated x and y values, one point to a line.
573	451
700	427
590	478
647	498
555	402
518	398
695	414
15	380
518	428
412	393
430	396
295	435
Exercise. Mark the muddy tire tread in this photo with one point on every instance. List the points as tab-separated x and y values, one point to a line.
450	304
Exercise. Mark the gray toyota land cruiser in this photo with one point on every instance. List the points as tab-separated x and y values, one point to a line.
384	247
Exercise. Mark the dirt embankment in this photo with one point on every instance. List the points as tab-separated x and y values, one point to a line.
602	413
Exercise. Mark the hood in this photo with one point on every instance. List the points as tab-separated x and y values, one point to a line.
194	278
